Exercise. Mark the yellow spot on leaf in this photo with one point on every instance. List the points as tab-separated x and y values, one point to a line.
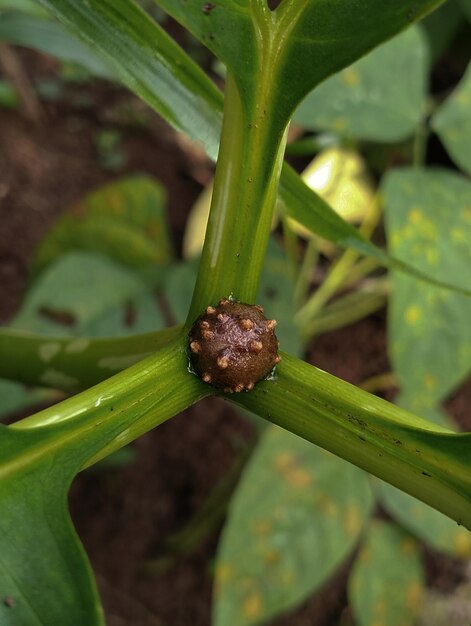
413	314
77	345
408	545
287	577
352	519
458	235
414	596
263	528
430	381
287	465
365	555
339	124
224	572
432	256
252	605
272	556
415	216
463	543
49	350
350	77
327	506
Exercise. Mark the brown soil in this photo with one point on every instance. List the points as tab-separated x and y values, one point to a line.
124	515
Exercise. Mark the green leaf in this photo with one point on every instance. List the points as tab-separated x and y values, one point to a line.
63	311
15	397
149	62
432	527
387	580
428	222
452	123
65	301
299	44
296	514
43	570
226	27
363	102
423	459
177	288
51	38
124	221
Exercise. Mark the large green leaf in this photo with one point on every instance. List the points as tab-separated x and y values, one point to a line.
79	295
43	570
428	223
149	62
299	44
452	123
421	458
437	530
387	580
81	292
50	37
124	221
296	514
363	102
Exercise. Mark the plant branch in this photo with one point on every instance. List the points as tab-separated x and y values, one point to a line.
125	406
245	185
421	458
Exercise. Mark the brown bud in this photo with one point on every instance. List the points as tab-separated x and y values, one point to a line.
226	347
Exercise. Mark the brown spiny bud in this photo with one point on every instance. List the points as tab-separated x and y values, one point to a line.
233	346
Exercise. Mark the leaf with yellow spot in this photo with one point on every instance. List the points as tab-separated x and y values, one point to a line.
279	542
124	221
363	102
386	588
434	528
429	327
452	123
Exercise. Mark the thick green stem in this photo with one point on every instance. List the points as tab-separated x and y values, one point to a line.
247	174
421	458
125	406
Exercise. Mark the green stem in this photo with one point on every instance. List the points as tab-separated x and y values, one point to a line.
380	382
421	458
126	405
291	246
365	266
308	266
347	310
339	273
245	185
